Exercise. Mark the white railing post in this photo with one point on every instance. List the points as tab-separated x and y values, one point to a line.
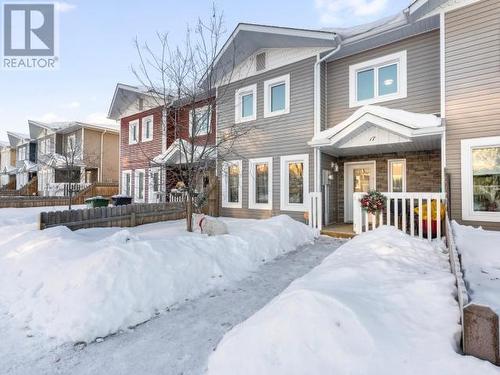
315	210
357	214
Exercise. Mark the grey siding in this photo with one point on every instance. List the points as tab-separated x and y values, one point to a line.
423	77
472	63
275	136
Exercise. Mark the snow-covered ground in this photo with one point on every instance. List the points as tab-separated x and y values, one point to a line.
383	303
179	338
480	253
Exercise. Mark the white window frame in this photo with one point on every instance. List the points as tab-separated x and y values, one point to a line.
390	162
267	95
225	190
136	186
152	196
239	94
398	58
144	121
201	109
134	123
284	161
252	180
468	212
124	182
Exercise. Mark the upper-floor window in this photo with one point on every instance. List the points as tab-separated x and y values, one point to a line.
22	152
378	80
199	121
277	96
246	104
71	144
147	128
133	132
397	175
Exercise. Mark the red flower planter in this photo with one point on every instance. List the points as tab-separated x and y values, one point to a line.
433	228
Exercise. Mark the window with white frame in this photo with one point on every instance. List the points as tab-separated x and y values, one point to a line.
246	104
200	121
133	132
277	96
127	183
140	175
294	183
71	144
260	183
232	184
378	80
481	179
396	175
154	184
147	129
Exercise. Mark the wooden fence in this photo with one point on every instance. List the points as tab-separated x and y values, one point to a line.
120	216
35	201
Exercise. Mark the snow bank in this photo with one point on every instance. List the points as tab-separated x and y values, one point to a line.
81	285
381	304
480	252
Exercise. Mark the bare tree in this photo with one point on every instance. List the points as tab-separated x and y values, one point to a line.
182	80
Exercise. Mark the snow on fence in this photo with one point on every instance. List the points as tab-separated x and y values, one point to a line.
120	216
400	213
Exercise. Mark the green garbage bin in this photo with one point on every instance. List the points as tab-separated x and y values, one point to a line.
97	202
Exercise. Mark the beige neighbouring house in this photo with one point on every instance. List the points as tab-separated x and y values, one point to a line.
7	165
408	105
74	154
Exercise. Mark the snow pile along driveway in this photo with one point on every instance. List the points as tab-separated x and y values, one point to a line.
381	304
76	286
480	256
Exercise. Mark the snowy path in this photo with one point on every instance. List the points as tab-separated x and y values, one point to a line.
178	341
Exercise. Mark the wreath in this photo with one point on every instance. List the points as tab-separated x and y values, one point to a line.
373	202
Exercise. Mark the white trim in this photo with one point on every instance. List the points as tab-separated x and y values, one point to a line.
205	109
251	184
224	182
136	186
267	96
398	58
123	180
346	164
252	89
284	161
442	69
133	123
144	120
389	174
468	212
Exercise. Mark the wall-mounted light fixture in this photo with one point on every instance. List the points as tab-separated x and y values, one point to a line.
335	167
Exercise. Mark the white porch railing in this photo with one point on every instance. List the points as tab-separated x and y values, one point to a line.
315	210
400	213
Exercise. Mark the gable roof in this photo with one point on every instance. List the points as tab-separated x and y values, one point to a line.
124	96
16	138
67	126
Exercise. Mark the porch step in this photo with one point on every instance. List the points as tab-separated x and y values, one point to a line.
337	234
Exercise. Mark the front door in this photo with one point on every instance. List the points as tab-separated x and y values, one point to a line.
359	177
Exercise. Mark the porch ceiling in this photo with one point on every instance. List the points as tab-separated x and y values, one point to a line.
373	129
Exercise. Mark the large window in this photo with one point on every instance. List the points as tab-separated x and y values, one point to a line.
232	184
199	121
294	182
260	183
154	178
139	185
147	128
378	80
246	104
127	183
397	175
133	132
481	179
277	96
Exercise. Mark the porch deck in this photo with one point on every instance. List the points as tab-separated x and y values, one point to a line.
341	230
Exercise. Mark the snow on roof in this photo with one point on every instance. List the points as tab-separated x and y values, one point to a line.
177	152
19	135
4	144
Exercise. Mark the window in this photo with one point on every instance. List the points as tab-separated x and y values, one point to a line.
133	132
277	96
294	182
378	80
147	128
260	183
71	144
397	175
246	104
139	185
232	184
154	185
127	183
481	179
199	121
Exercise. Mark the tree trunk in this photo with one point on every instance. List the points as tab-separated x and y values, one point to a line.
70	196
189	213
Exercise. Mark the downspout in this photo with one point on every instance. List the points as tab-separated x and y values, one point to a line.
317	109
102	154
